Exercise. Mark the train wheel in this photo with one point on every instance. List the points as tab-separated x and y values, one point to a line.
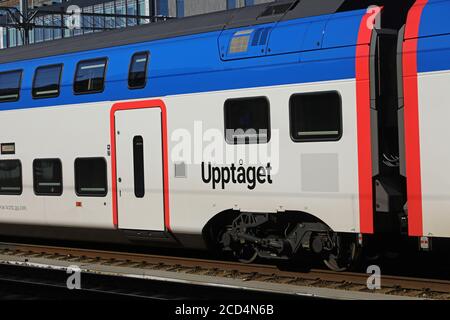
245	253
242	252
344	255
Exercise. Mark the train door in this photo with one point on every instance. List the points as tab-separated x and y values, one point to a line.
139	158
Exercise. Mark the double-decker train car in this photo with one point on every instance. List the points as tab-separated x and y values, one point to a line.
272	131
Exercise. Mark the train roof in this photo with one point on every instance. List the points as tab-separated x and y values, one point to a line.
223	20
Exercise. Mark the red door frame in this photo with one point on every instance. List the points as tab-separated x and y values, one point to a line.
157	103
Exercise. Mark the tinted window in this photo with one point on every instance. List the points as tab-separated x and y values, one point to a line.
10	177
247	120
138	161
276	9
47	81
90	76
316	117
137	77
47	176
90	177
10	85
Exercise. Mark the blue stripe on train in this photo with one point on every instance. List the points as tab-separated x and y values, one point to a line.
434	33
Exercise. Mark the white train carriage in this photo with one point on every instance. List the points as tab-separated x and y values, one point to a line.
269	132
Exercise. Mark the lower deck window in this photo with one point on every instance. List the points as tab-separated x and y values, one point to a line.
247	120
316	117
91	177
47	176
10	177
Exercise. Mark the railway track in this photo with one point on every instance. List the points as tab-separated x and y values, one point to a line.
346	282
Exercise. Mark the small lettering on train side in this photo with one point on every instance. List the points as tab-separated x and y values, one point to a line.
13	208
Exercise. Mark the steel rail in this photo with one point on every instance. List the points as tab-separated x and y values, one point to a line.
259	272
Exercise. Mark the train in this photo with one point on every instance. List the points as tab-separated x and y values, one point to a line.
279	131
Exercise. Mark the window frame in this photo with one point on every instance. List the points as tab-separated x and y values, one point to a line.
21	180
59	81
316	139
80	195
139	181
247	142
148	54
104	76
20	85
34	178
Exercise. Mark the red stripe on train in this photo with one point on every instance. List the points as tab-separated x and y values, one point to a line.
363	123
412	135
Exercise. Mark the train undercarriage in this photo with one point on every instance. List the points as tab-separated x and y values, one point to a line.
283	237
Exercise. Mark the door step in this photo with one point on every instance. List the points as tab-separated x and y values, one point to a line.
150	236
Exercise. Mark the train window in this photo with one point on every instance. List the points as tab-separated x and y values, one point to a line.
46	81
137	77
247	120
91	177
316	117
47	177
10	177
10	85
90	76
138	162
276	9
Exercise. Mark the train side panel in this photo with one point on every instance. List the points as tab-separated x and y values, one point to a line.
65	133
316	178
299	182
435	157
427	76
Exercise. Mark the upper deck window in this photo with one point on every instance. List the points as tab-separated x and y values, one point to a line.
137	77
47	81
10	85
90	76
